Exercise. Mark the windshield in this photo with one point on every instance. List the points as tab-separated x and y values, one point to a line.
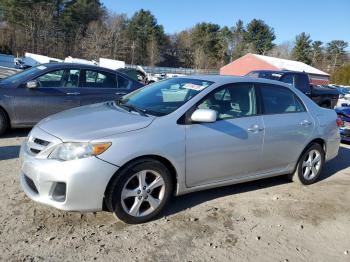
12	79
164	97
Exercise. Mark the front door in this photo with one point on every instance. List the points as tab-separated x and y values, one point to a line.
231	147
57	91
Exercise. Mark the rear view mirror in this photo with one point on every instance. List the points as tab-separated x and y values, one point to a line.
32	84
204	116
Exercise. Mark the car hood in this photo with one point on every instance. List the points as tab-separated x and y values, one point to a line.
93	122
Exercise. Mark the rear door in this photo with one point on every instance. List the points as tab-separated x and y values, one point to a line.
99	86
288	126
57	90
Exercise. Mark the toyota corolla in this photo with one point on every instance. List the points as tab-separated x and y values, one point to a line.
174	137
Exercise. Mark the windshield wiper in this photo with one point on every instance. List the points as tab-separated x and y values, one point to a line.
131	108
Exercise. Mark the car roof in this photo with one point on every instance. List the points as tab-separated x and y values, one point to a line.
67	65
277	71
224	79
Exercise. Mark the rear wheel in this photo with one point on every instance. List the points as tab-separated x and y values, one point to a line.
325	105
310	165
3	122
140	191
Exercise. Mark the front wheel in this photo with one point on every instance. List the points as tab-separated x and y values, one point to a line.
309	166
3	123
140	191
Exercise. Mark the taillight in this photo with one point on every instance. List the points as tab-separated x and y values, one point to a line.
340	122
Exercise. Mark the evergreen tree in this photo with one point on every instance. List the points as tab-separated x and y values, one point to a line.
259	36
239	46
302	48
336	53
317	54
147	37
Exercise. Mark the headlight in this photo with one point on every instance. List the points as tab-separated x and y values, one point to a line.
71	151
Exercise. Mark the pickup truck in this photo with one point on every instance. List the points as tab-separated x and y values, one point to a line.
323	96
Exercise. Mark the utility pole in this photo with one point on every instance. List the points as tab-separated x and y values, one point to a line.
132	52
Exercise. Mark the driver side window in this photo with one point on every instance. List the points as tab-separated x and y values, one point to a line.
68	78
233	101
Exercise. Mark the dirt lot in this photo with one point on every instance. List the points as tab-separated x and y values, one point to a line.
269	220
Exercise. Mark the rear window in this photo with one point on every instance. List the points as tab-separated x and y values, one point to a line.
279	100
266	75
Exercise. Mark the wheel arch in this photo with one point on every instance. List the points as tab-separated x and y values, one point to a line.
166	162
2	109
326	102
319	141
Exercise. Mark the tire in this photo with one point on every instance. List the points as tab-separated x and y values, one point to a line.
3	122
325	105
133	202
308	169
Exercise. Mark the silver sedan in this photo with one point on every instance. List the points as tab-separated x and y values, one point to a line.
174	137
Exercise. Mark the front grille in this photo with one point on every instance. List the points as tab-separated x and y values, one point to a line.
34	151
31	184
41	142
36	145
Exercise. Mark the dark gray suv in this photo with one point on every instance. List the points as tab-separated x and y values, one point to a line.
35	93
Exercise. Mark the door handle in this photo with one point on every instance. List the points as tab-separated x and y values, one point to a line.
120	93
255	128
73	93
305	123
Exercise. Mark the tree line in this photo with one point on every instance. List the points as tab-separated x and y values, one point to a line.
86	29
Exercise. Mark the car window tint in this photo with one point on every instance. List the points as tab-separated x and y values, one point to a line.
71	78
122	82
68	78
279	100
288	78
301	82
99	79
233	101
51	79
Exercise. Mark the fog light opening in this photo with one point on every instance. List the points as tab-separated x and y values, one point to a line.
59	192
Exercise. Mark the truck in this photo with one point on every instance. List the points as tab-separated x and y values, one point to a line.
323	96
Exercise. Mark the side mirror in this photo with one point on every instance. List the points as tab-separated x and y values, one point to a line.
204	116
32	84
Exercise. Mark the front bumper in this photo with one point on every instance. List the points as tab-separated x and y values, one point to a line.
76	185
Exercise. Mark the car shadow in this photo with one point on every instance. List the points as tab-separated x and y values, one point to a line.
342	161
16	133
180	203
12	151
9	152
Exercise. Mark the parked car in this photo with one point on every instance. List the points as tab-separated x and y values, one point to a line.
174	137
35	93
134	74
344	96
344	114
323	96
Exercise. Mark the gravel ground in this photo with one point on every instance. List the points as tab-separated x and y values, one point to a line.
267	220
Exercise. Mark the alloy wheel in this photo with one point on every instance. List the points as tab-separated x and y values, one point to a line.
143	193
311	165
